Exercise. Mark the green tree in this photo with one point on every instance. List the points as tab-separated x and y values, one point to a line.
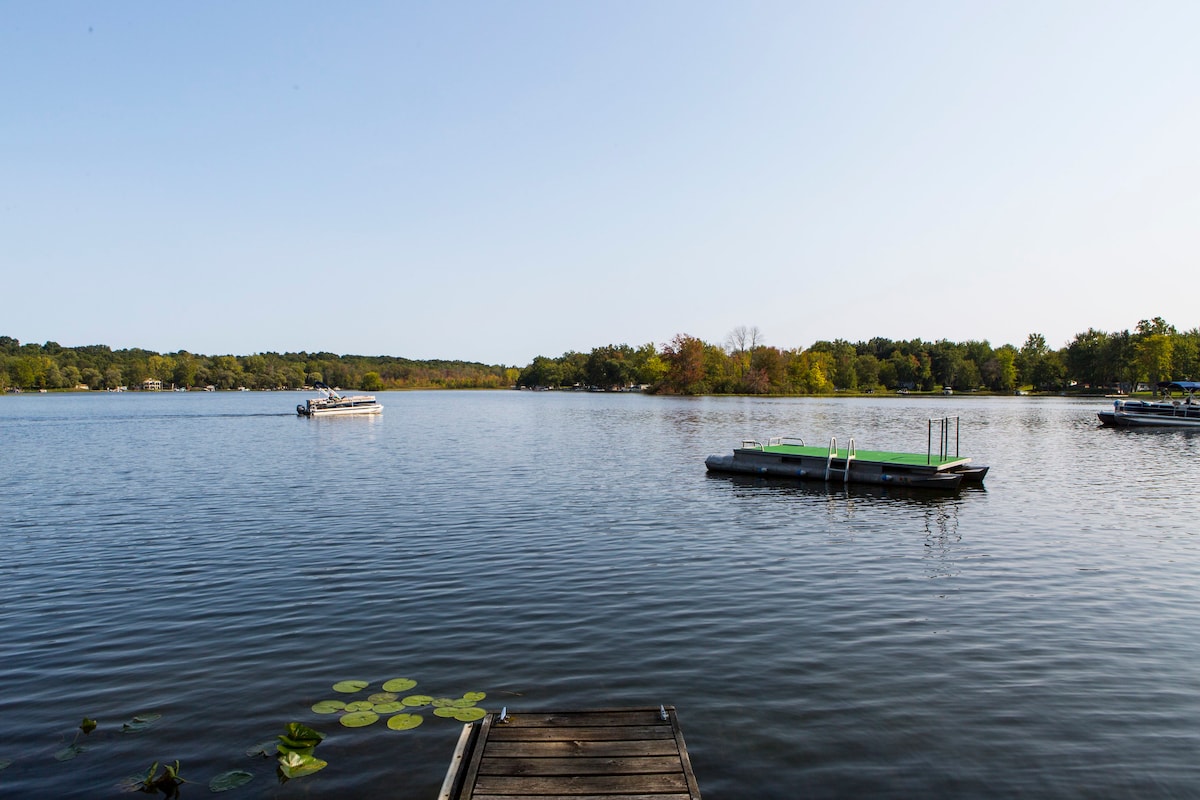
610	367
866	371
1085	358
649	366
1185	356
999	373
1154	357
1029	358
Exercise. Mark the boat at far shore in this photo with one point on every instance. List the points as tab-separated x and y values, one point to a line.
332	404
1182	411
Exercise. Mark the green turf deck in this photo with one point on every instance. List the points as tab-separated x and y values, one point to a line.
878	456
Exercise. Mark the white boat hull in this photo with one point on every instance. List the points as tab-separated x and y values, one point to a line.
342	412
1130	420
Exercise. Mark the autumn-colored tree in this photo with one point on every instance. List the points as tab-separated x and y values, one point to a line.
684	356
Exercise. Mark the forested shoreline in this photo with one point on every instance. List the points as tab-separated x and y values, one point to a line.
742	364
51	366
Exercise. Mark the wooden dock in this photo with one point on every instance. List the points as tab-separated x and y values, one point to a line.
612	754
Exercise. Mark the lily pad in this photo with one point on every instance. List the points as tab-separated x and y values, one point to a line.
328	706
442	702
350	687
405	722
230	780
446	711
68	752
5	763
387	708
399	685
470	714
414	700
140	723
360	705
474	696
359	719
294	765
383	697
462	702
88	725
299	739
266	748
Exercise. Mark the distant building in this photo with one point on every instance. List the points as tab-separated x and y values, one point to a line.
151	385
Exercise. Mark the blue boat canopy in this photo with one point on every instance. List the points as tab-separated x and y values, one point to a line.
1183	386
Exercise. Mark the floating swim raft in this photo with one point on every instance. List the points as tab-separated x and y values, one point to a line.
790	457
617	754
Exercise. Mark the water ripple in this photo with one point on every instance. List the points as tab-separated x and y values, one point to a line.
217	560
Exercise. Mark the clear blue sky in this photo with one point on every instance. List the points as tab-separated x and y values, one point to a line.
491	181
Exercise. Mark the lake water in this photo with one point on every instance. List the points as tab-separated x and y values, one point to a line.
219	561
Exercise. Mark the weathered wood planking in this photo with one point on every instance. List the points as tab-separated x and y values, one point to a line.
611	754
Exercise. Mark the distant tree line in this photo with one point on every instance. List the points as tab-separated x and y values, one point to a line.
743	364
51	366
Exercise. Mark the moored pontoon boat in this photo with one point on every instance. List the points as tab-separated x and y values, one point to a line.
1168	411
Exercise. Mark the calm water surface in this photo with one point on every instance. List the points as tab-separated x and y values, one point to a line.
217	560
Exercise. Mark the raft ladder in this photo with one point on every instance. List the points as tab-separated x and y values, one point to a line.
851	452
943	440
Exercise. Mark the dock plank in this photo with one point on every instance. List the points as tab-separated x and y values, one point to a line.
540	785
610	748
669	796
614	754
637	765
580	733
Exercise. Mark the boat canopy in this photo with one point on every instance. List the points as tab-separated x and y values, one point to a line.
1183	386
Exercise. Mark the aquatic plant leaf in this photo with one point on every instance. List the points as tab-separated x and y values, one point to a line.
405	722
474	696
360	705
5	763
387	708
140	723
302	749
470	714
266	748
230	780
359	719
383	697
299	739
463	702
168	783
87	726
303	732
399	685
294	765
442	702
131	783
68	752
350	687
446	711
414	700
328	706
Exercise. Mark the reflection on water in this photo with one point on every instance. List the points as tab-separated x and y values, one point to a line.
217	559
